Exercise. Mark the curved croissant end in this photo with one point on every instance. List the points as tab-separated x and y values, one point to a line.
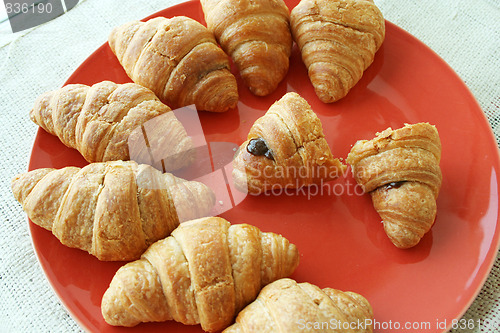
407	212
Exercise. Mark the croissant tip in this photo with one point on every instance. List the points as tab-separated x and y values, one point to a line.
23	183
404	242
221	103
210	196
261	88
326	94
402	237
293	258
15	186
403	245
112	38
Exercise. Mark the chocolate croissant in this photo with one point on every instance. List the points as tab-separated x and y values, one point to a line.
113	210
286	306
256	34
99	121
400	169
178	59
204	273
338	41
286	148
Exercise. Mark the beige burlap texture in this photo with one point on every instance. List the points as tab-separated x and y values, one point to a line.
465	33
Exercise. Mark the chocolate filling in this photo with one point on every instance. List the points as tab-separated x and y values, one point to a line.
258	147
394	185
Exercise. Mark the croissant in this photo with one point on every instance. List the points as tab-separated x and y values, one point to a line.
256	34
400	168
286	148
178	59
286	306
100	121
204	273
338	41
113	210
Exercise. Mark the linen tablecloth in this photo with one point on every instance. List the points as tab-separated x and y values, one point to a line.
465	33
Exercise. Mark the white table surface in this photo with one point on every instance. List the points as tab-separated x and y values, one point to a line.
465	33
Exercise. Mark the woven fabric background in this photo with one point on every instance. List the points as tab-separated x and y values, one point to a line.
465	33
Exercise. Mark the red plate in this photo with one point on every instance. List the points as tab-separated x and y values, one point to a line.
338	233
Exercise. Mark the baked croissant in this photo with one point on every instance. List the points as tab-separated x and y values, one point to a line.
256	34
286	148
338	41
177	58
286	306
113	210
204	273
400	168
101	121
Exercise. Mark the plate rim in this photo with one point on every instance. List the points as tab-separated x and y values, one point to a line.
495	243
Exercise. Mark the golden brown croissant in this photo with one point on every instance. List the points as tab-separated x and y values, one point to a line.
338	41
177	58
286	306
400	168
256	34
204	273
286	148
114	210
100	121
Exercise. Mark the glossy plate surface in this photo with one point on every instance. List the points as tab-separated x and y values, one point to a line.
337	231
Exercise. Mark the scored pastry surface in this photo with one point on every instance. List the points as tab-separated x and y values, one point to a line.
113	210
178	59
204	273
